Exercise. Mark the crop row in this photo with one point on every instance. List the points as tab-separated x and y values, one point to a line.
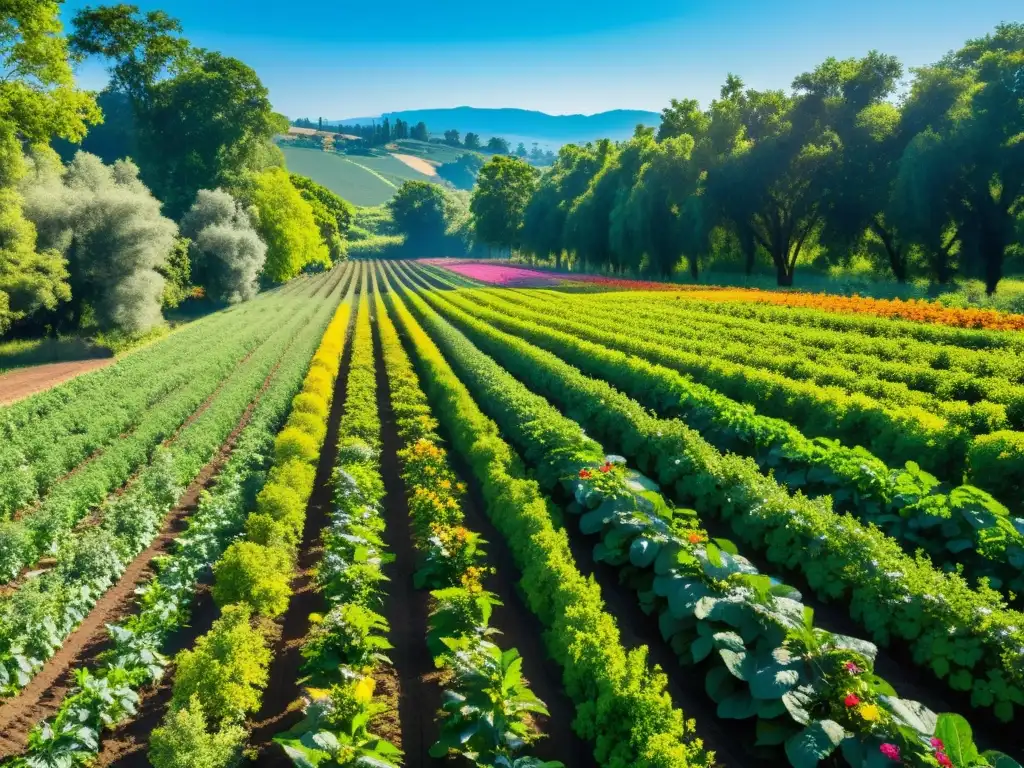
622	705
43	528
966	636
485	694
961	526
49	434
761	350
108	693
896	436
221	680
38	616
809	689
346	647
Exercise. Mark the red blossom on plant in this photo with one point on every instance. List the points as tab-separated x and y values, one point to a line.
852	668
606	467
891	751
937	744
695	538
851	700
584	474
944	760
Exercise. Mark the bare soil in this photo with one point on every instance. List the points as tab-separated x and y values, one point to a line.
21	383
416	163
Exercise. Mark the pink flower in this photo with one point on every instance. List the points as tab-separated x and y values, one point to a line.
852	668
937	744
891	751
944	760
851	700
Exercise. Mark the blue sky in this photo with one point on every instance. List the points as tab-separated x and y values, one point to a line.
351	58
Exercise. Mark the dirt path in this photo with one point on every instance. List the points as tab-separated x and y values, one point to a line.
42	697
279	711
21	383
417	164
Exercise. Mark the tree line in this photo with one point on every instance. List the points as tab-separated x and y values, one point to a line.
165	185
928	182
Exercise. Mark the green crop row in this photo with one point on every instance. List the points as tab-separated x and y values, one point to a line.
760	350
221	680
43	528
485	693
958	527
995	462
48	434
622	705
800	679
948	373
966	636
346	646
36	618
108	694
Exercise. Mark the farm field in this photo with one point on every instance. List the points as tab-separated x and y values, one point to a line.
426	513
361	179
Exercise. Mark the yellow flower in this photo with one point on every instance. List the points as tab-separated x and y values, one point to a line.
364	689
870	712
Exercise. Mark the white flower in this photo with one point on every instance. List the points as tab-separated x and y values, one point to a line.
984	611
677	461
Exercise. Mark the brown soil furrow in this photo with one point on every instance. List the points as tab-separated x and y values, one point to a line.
406	608
43	695
280	709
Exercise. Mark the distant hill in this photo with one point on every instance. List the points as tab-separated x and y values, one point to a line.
523	124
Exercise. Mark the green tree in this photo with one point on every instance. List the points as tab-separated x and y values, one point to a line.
682	117
569	177
472	141
419	132
504	188
451	138
497	145
177	274
256	575
286	224
203	119
463	172
226	669
521	150
332	214
964	174
38	102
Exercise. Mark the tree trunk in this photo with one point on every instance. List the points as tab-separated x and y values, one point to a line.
784	275
991	246
694	269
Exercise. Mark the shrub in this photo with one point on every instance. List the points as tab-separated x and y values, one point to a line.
292	443
265	530
282	503
183	741
254	574
996	463
226	670
308	423
308	403
297	475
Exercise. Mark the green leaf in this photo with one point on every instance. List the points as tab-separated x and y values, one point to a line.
771	733
726	546
999	760
913	714
741	664
772	681
956	735
700	648
738	706
959	545
714	555
719	684
642	552
814	743
798	703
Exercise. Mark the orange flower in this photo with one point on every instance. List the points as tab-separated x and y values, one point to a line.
584	474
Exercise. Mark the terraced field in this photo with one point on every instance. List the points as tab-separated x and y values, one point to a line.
391	515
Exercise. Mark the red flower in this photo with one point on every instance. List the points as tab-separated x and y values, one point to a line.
584	474
851	700
937	744
944	760
606	467
695	538
891	751
852	668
